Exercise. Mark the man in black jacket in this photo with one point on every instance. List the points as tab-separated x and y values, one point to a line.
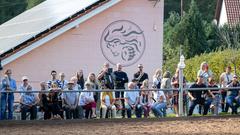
140	76
120	78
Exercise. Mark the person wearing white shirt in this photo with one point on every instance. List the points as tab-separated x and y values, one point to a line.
70	101
160	106
87	102
107	104
62	82
29	103
132	101
24	85
225	79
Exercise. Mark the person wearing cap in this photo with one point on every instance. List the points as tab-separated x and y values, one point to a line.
8	85
28	103
197	96
70	102
225	79
86	101
140	76
24	85
233	99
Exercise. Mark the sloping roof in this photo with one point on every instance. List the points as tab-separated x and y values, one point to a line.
232	10
32	24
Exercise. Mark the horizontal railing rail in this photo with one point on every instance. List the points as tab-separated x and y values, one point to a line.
122	90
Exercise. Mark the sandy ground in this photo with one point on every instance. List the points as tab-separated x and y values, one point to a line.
193	125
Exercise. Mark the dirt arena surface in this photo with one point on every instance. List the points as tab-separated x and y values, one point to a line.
226	125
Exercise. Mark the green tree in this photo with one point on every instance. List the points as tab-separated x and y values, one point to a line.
230	37
190	33
12	8
170	52
206	7
213	40
217	62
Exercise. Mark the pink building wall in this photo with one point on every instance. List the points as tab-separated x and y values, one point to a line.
79	48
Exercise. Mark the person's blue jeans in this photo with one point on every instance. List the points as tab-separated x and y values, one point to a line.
138	111
207	104
7	100
159	109
233	103
216	102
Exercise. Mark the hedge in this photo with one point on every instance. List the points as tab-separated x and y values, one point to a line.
217	62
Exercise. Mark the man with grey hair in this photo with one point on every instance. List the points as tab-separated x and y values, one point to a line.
120	78
132	101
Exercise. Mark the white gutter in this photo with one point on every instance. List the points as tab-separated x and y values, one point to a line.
59	32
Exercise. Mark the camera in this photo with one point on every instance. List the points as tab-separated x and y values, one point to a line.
110	70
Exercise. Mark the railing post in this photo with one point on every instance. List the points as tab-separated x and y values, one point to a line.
181	66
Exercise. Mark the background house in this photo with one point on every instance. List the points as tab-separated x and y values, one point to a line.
66	36
227	12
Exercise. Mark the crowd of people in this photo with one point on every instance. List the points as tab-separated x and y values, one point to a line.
139	98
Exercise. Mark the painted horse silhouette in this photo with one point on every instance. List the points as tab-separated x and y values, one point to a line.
125	41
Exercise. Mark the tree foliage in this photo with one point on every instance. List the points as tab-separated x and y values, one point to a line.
217	62
206	7
188	33
12	8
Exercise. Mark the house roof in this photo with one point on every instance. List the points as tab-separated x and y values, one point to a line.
52	17
232	10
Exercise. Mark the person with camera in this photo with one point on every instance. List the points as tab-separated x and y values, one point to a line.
7	97
105	77
120	78
140	76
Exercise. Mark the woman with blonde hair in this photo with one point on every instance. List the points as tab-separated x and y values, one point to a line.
205	72
157	78
146	98
166	84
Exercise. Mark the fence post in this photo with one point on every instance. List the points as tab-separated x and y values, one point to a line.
181	66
